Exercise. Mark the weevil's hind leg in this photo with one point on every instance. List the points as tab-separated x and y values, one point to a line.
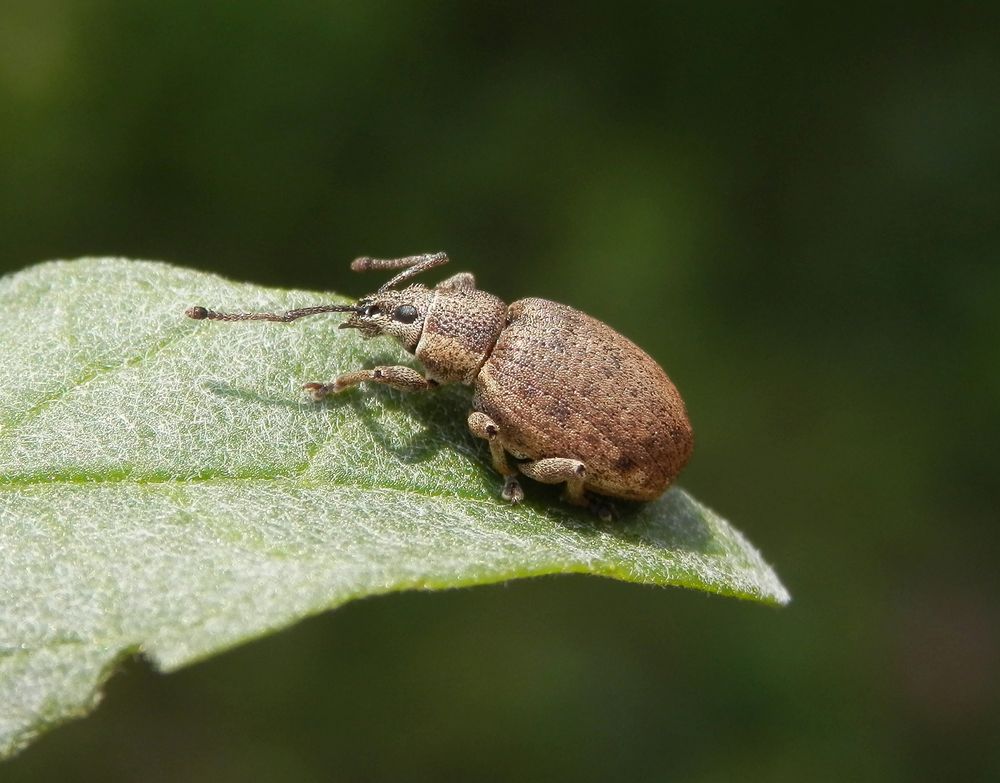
397	377
463	281
482	426
556	470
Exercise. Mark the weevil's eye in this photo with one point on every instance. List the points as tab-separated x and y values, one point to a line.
406	314
370	311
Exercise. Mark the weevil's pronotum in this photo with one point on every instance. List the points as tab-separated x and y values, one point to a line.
569	398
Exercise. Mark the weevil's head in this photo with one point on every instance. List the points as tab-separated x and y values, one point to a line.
398	314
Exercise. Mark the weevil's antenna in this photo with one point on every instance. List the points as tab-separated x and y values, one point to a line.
199	313
411	266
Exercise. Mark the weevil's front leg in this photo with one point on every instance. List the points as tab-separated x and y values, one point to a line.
482	426
397	377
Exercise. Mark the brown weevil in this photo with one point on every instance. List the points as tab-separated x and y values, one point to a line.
568	397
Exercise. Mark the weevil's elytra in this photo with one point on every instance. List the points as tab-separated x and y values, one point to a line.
563	379
570	399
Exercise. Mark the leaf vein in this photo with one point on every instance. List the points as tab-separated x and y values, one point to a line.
88	374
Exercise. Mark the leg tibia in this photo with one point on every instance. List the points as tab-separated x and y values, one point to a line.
482	426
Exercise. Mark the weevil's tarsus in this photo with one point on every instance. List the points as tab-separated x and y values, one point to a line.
512	490
318	390
602	508
200	313
411	266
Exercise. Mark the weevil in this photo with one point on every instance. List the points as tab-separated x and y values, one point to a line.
559	396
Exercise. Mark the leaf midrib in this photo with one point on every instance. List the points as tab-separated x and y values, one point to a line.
292	479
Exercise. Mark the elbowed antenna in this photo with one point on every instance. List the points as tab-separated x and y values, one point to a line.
411	266
200	313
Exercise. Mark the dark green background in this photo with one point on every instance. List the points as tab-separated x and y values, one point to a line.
794	208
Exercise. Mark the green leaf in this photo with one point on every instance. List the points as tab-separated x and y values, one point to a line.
166	488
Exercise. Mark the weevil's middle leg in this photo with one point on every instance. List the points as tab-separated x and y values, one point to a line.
398	377
482	426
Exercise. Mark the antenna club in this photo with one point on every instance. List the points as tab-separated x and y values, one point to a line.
197	312
361	264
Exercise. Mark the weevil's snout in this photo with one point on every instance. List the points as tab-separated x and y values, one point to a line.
368	316
365	318
353	320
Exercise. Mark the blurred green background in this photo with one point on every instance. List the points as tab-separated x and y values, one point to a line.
793	207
